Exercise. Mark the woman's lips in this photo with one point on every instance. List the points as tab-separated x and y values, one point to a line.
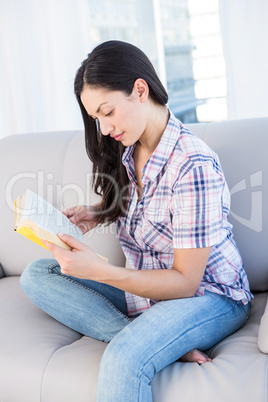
118	137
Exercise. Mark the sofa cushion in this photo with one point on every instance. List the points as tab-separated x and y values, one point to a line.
42	359
78	366
263	331
238	371
29	339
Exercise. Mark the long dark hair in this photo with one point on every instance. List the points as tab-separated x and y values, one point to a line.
113	65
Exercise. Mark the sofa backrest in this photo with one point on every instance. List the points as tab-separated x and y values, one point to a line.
56	166
242	146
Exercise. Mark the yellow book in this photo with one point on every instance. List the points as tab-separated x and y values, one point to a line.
37	219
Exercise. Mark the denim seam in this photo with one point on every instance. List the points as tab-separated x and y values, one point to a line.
191	329
50	268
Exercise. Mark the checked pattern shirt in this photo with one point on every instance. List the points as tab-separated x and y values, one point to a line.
185	204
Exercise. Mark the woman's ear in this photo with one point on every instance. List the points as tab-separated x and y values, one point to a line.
141	89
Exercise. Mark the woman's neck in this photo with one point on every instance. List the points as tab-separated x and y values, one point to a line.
159	116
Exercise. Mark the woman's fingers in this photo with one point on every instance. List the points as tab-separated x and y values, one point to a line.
82	216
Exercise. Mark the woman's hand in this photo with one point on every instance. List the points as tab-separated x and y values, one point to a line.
83	216
80	261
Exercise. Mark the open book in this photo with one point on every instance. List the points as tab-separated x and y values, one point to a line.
37	219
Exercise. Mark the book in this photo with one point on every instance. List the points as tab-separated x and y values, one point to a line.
37	219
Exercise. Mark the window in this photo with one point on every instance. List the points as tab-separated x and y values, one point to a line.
182	39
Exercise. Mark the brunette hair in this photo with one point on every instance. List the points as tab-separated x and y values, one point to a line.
115	66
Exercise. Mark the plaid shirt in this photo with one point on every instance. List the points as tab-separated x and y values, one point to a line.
185	204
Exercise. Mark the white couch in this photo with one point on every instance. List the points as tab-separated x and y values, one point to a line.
42	360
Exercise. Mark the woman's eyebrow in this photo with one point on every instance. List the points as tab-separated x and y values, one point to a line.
98	110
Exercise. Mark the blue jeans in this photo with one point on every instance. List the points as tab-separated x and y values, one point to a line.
138	348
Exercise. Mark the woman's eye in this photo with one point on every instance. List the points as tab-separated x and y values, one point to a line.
109	114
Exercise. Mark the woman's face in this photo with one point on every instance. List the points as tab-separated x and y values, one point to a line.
123	117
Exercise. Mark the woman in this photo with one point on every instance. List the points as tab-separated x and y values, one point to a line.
166	191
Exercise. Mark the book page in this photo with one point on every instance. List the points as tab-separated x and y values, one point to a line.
47	217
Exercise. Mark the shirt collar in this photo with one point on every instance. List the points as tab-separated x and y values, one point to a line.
161	154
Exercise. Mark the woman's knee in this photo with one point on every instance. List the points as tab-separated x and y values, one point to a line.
34	272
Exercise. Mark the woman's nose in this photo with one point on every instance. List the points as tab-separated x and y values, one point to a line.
106	127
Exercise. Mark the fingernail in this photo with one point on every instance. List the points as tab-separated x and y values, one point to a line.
60	234
200	362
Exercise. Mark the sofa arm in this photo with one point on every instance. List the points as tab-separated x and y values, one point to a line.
263	331
1	272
